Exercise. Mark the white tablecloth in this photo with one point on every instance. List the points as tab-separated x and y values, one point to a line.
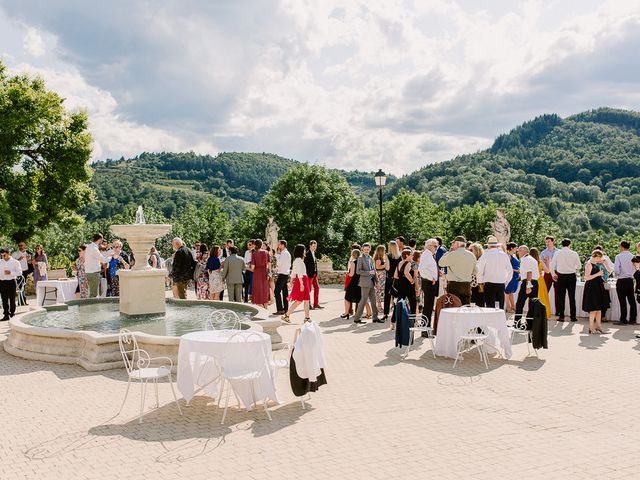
454	322
65	290
200	353
612	314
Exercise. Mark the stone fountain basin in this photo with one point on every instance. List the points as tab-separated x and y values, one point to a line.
96	351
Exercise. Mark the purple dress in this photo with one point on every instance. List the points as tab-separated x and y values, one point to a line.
40	273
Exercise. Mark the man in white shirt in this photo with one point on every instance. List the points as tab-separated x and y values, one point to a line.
10	270
624	270
283	263
93	260
494	271
248	274
564	265
529	275
428	269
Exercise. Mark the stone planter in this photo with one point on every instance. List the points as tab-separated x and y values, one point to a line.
325	267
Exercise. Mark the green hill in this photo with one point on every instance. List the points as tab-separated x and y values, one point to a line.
169	181
583	170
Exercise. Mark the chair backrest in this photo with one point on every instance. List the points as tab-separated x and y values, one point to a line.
223	320
241	359
20	283
419	320
133	357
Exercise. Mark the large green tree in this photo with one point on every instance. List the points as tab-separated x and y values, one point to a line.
310	203
44	150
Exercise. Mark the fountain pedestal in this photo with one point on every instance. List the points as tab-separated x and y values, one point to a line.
142	287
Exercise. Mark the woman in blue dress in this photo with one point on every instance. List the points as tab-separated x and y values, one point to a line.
512	286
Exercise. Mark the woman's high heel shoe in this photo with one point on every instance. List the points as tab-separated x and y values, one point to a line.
345	316
285	318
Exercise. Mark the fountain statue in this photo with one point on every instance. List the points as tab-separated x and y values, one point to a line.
142	287
501	228
271	234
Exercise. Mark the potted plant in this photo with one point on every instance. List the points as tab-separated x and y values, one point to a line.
325	264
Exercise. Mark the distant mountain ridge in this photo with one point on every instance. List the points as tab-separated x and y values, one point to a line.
583	170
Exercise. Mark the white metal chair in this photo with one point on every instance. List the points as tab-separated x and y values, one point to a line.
20	284
139	367
223	320
420	326
249	370
520	327
469	341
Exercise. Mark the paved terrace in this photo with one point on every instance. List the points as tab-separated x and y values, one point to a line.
570	414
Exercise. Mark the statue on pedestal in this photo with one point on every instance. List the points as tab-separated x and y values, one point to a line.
271	234
140	216
501	228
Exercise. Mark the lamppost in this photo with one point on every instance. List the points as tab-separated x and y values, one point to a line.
381	180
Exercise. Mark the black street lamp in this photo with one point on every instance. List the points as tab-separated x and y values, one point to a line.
381	180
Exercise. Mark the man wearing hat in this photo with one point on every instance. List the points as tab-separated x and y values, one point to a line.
461	264
10	269
494	270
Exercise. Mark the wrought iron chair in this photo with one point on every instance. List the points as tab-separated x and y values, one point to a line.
420	325
521	328
139	367
475	338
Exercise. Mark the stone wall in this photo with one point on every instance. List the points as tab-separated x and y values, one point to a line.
333	277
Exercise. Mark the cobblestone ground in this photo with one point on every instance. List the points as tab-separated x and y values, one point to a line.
570	414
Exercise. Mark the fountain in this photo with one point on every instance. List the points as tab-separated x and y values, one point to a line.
85	332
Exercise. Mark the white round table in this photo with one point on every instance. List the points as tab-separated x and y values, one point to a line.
201	354
454	322
65	290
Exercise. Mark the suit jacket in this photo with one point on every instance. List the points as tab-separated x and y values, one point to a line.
403	323
363	267
538	323
232	269
311	265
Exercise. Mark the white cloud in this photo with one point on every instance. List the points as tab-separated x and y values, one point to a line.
351	84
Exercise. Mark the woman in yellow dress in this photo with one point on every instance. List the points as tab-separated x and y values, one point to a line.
543	295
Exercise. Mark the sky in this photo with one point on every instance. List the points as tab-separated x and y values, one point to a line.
344	83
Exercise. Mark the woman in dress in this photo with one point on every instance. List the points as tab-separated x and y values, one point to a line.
118	261
380	265
260	281
216	284
406	280
347	278
543	294
415	263
477	290
202	279
272	273
512	286
393	259
299	287
352	292
82	291
40	266
595	297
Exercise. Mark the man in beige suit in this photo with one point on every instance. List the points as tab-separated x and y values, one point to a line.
232	270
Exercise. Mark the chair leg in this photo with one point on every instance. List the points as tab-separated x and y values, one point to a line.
125	396
226	405
155	386
266	408
534	350
484	355
433	347
458	353
143	393
174	395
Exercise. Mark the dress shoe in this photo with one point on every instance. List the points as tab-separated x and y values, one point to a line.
317	307
378	320
638	335
620	323
4	319
633	323
280	312
574	319
560	319
358	321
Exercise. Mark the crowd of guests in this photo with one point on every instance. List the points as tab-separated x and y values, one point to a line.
489	274
262	275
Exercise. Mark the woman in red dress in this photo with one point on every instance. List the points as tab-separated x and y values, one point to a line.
260	281
300	285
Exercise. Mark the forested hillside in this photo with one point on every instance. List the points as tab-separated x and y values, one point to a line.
583	171
170	181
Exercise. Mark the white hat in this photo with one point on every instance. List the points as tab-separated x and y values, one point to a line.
492	241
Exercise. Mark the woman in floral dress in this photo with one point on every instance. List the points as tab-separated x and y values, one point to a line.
380	264
202	280
40	266
83	282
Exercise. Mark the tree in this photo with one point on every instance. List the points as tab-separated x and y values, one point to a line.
44	151
310	203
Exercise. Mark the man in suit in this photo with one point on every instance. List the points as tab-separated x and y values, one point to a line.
311	263
366	270
232	270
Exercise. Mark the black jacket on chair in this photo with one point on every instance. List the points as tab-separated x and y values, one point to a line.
311	265
403	323
537	323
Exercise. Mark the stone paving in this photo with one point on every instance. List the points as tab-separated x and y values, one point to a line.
570	414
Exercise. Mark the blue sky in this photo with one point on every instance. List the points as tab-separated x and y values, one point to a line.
348	84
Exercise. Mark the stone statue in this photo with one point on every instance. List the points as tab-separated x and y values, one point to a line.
501	228
271	234
140	216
